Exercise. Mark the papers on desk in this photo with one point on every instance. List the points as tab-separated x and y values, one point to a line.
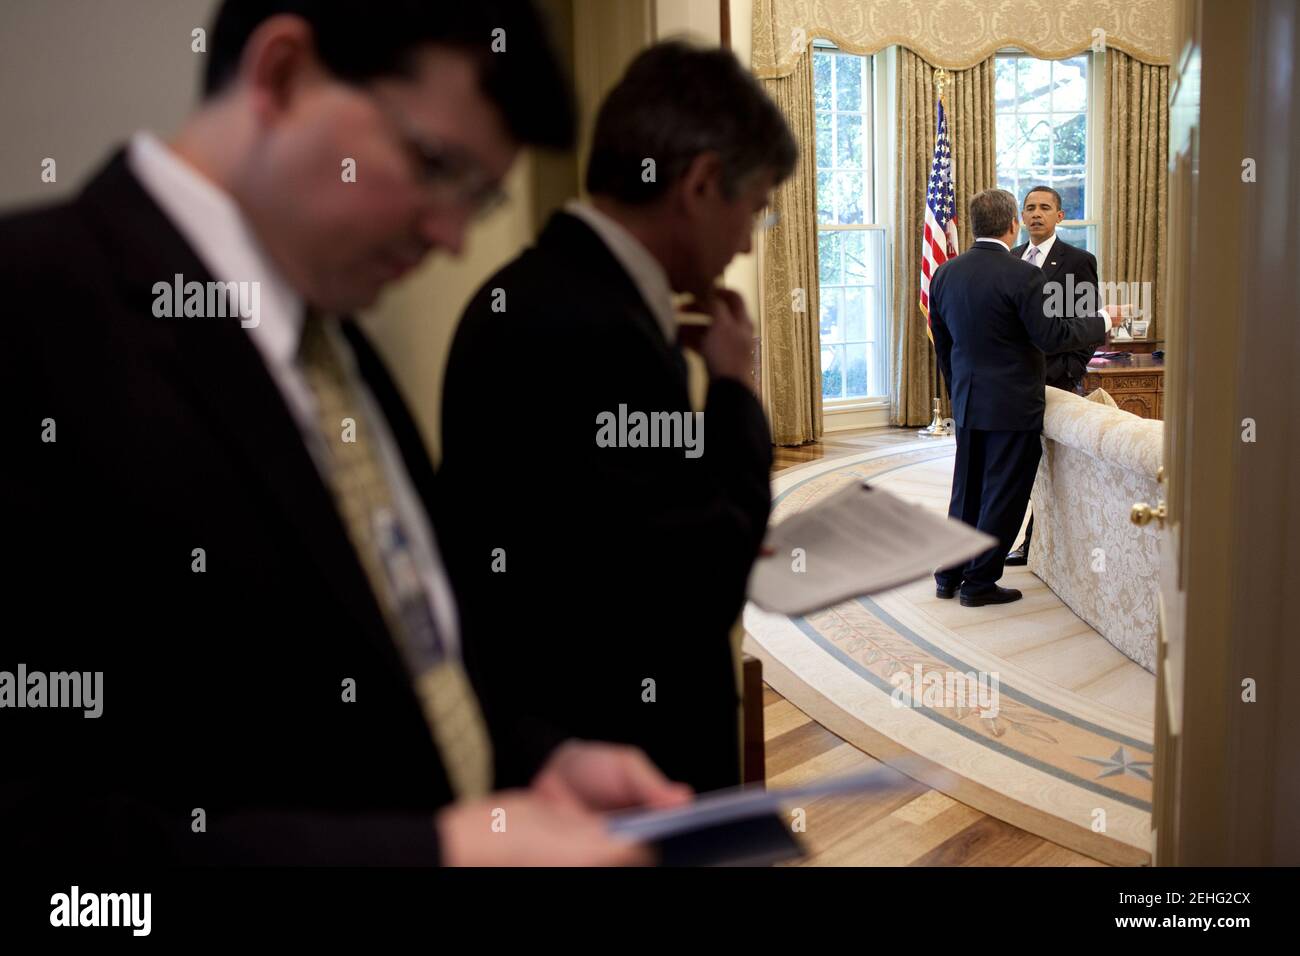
859	541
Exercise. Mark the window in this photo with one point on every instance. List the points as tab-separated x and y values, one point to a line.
851	239
1043	114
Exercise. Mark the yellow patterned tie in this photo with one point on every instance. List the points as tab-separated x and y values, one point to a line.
364	501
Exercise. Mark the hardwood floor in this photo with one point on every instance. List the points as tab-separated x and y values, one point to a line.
912	825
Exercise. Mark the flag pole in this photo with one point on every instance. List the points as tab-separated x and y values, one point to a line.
938	428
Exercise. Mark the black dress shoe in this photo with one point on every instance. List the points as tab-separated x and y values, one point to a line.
947	593
996	596
1018	557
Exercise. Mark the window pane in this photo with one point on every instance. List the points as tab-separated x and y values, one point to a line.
825	155
1005	91
1071	183
876	354
1071	133
1008	140
822	80
1042	128
832	371
874	311
848	82
832	318
828	255
855	314
1035	132
855	373
825	198
1033	84
1080	236
851	149
848	197
1070	93
856	267
1008	181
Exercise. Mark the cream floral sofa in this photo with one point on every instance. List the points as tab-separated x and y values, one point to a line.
1097	461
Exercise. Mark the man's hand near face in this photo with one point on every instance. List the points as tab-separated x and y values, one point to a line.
728	343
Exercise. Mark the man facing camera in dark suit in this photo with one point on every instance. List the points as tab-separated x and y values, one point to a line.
1072	268
991	329
220	508
604	571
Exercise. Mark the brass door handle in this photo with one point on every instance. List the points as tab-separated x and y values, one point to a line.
1142	514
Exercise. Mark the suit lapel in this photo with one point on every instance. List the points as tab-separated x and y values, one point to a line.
228	383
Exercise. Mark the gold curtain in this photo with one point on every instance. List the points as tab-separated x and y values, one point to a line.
968	103
1133	242
790	307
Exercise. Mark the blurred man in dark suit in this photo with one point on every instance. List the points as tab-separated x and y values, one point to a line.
1069	266
221	503
991	329
609	564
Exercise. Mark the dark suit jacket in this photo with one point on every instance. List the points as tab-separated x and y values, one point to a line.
1063	259
622	564
990	328
223	689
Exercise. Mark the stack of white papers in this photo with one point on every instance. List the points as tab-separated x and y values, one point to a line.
859	541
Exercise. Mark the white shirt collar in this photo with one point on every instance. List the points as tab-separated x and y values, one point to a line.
216	229
646	272
991	239
1043	249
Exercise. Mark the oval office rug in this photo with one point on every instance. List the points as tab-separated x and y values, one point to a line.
1065	750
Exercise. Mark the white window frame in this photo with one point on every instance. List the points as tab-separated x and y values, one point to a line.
1093	174
867	411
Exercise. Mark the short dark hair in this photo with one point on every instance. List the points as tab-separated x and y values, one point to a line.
1046	189
675	102
991	213
362	40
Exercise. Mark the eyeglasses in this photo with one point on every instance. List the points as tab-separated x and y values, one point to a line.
448	174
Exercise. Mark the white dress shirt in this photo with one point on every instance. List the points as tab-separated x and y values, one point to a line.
217	231
645	270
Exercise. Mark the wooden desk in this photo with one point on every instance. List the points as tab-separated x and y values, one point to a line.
1137	384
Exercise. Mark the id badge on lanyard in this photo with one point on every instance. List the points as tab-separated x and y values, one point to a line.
422	643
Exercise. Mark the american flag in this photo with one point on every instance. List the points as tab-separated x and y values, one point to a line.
939	240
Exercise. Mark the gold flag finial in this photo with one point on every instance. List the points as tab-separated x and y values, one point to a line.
940	81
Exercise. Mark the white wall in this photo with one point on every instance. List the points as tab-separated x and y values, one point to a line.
79	76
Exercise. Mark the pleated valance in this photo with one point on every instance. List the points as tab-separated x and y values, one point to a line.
958	34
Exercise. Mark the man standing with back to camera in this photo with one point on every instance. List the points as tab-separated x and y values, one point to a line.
991	330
